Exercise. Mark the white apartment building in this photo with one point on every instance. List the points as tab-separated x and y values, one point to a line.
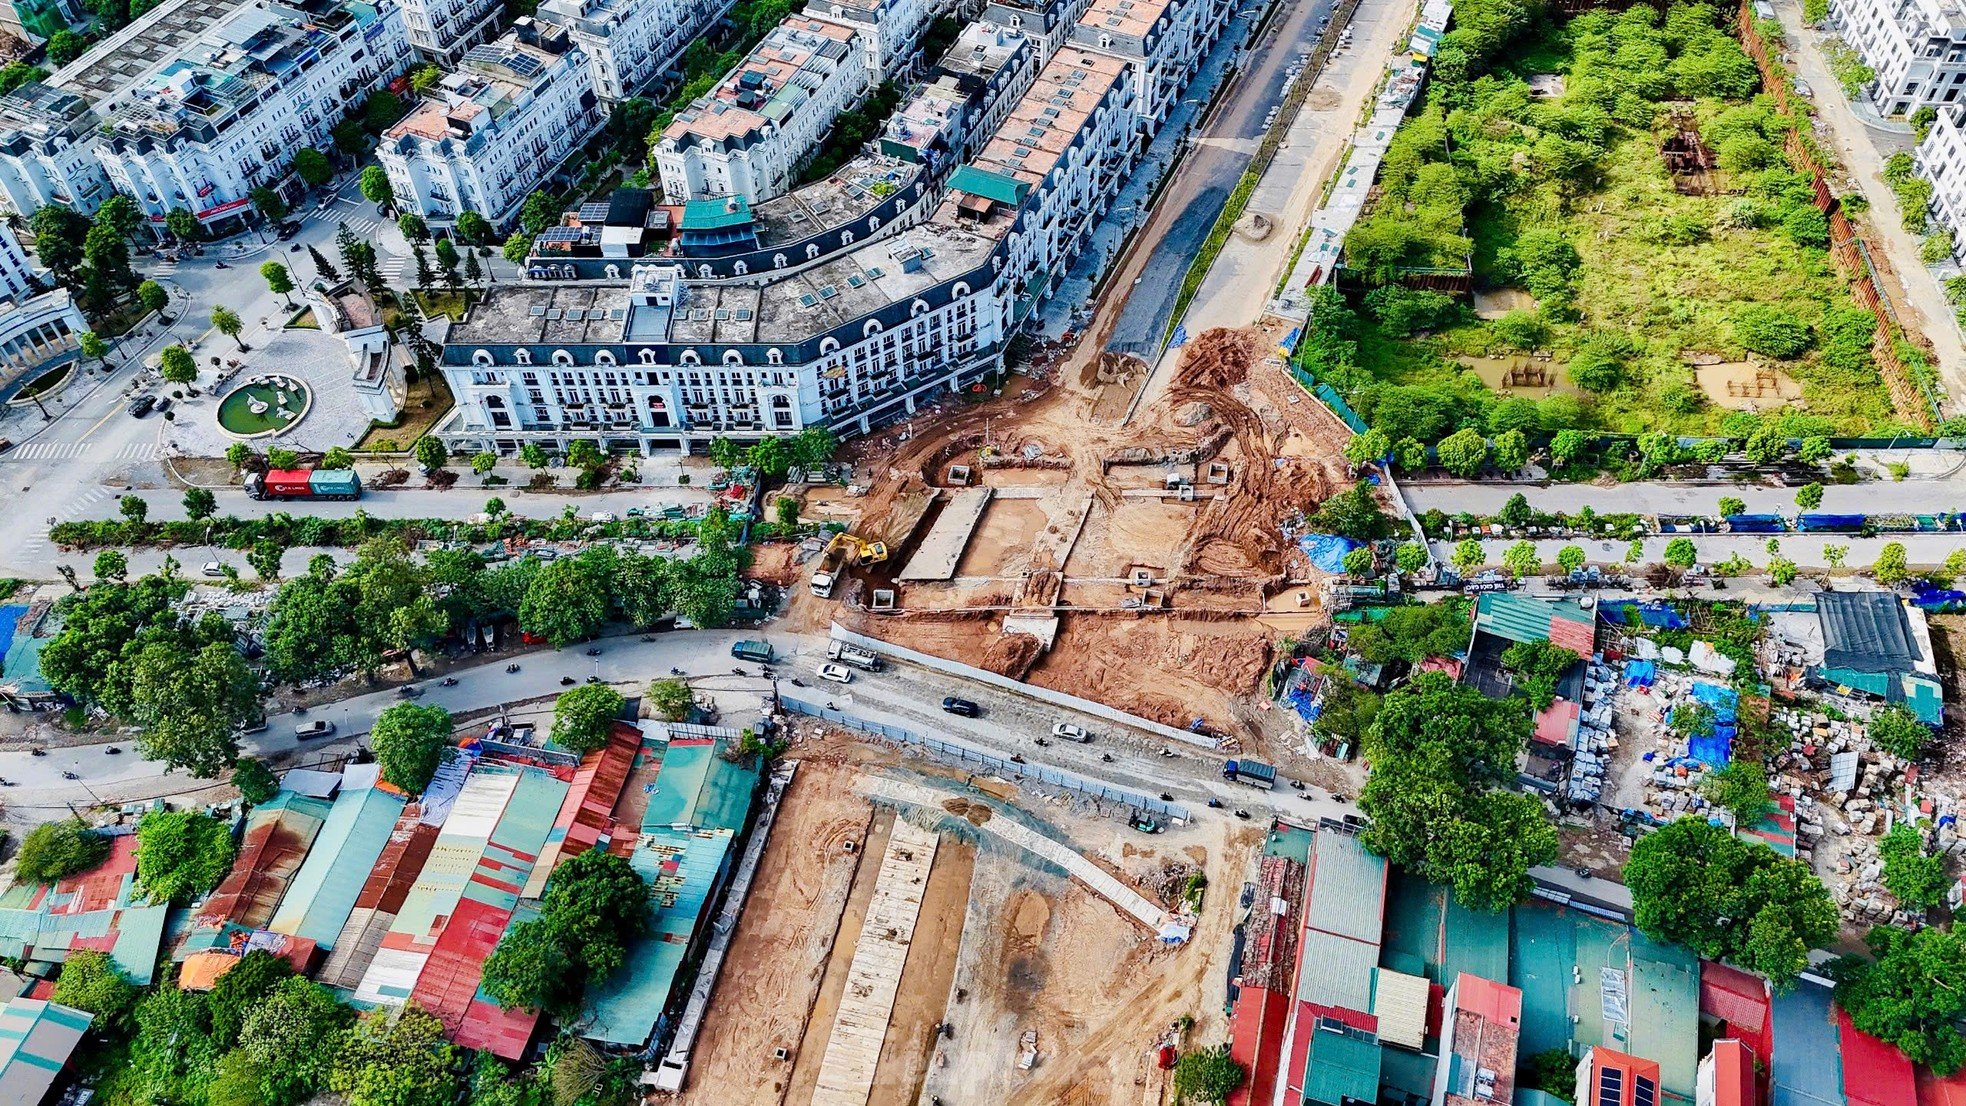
485	136
1917	47
1165	39
630	43
1941	159
668	363
888	29
967	96
442	30
47	151
749	135
16	275
1047	23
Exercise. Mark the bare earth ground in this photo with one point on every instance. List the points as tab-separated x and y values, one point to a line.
925	979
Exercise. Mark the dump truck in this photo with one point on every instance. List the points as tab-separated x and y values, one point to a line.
1252	772
304	484
845	549
853	655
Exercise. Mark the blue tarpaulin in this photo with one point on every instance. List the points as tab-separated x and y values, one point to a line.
1818	521
1713	750
1326	551
1641	673
1658	616
1927	595
1756	524
10	617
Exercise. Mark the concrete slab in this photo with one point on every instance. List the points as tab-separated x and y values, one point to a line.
942	548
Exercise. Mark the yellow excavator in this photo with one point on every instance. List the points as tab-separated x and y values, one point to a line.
845	549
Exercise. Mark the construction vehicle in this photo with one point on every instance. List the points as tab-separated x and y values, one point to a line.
1251	772
844	550
848	654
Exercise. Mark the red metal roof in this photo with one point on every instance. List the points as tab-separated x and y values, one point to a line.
1257	1042
1934	1091
1491	1001
1874	1073
1300	1050
1557	725
1741	1000
1733	1074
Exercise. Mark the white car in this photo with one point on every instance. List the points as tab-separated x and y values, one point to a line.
212	568
602	516
1065	731
838	673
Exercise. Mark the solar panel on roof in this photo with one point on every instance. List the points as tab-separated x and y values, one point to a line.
560	234
854	280
618	313
1644	1093
1610	1087
827	291
525	65
743	314
593	213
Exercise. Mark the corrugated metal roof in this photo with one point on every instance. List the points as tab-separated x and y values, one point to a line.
324	890
586	812
36	1040
1337	971
1343	1068
91	910
683	868
1807	1068
1516	617
278	835
389	882
1874	1073
1399	1001
1347	889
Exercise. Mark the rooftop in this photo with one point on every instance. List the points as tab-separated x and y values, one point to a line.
1124	17
766	87
1516	617
36	1039
1038	131
980	50
324	890
1487	1022
116	64
490	81
1347	890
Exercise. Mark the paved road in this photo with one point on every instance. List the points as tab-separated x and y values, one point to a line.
1806	550
1855	145
1216	158
903	695
1653	497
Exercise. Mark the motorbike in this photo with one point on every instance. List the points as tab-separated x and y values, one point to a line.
739	672
112	750
409	692
220	265
565	680
796	682
1106	758
648	637
511	668
674	671
593	679
594	652
1041	741
1243	814
1216	803
5	782
300	711
450	681
1166	798
1015	759
37	751
70	776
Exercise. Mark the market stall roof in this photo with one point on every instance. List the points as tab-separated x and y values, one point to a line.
1866	631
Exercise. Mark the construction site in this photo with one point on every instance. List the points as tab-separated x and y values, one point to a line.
904	941
1095	530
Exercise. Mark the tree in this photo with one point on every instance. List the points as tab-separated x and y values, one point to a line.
1538	667
313	167
1207	1075
181	854
112	566
1521	559
1353	513
255	781
183	225
292	1036
1359	563
483	462
1411	556
1463	452
534	456
447	261
58	235
1681	553
270	204
1897	731
769	456
1516	512
495	508
18	73
1696	884
1368	447
153	298
398	1061
517	247
474	228
54	851
1833	555
1438	752
176	365
1911	994
278	281
1815	449
133	508
430	453
65	46
594	906
413	226
1890	567
1731	505
584	453
1771	331
322	265
191	704
91	981
375	188
1468	555
227	322
813	447
567	600
256	973
671	700
1739	786
583	717
725	453
1511	451
1914	878
338	457
264	558
538	212
474	271
1781	572
279	458
92	346
410	742
1568	446
1570	558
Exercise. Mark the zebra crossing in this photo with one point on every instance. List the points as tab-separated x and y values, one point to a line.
363	227
37	544
68	451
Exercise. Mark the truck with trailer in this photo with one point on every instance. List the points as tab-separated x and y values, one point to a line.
853	655
304	484
1252	772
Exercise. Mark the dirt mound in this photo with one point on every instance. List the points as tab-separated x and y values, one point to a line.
1220	358
1111	368
972	812
1013	655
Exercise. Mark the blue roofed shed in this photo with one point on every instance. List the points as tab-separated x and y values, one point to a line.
323	892
36	1040
1807	1066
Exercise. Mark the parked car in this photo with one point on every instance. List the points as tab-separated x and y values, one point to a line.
6	444
141	405
602	516
964	707
256	726
837	673
163	404
212	569
307	731
1065	731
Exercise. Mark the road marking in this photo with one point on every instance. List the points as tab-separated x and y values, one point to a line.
67	451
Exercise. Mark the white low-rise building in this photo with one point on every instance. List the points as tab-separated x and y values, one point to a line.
967	96
1047	23
1164	39
37	332
1941	159
486	135
888	29
1917	47
750	134
442	30
196	104
630	43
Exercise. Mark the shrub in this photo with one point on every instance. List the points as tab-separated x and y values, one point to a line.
1771	331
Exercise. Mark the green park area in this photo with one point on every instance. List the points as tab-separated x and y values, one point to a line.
1611	293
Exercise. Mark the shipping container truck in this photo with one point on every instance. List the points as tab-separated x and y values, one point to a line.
1252	772
304	484
857	657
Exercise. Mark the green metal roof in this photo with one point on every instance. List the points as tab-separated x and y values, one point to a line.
1292	842
683	868
323	892
36	1039
1343	1068
1522	618
716	214
697	786
991	186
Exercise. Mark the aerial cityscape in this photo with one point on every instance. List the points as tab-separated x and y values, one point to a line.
982	552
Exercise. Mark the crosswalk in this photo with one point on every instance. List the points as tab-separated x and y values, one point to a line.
67	451
84	505
363	227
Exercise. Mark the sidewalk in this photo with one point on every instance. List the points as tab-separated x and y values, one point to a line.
1923	307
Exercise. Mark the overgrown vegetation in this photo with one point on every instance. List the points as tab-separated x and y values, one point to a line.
1567	203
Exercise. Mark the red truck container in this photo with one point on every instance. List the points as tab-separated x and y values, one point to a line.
304	484
287	482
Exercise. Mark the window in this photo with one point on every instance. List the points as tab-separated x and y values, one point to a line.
605	357
648	356
522	356
481	357
774	357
